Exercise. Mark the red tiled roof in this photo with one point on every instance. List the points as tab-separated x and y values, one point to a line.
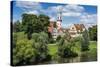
79	26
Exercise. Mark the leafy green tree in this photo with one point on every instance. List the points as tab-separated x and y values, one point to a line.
34	24
23	52
93	33
29	22
40	45
43	22
65	45
58	38
85	41
14	40
17	26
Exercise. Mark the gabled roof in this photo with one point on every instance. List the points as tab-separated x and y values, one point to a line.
79	26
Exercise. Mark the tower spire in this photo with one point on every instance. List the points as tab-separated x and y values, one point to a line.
59	15
59	19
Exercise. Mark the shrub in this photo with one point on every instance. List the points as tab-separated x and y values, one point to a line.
40	46
58	38
65	47
85	41
23	52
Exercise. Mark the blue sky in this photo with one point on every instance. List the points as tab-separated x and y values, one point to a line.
71	14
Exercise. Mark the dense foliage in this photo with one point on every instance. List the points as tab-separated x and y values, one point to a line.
85	41
93	33
34	24
65	46
23	51
17	26
40	46
29	51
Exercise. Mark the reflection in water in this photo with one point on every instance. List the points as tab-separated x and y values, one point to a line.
83	57
86	56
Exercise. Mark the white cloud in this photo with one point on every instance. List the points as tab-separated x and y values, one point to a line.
73	8
51	11
28	5
33	12
52	19
67	10
73	14
36	8
67	25
89	18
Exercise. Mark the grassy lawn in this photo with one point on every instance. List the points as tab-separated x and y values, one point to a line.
93	45
93	48
52	49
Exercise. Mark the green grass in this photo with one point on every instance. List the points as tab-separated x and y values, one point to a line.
20	35
93	44
52	49
93	47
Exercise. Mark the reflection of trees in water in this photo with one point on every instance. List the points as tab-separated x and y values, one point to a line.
87	56
69	60
83	57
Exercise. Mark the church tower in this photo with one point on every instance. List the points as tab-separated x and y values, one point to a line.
59	20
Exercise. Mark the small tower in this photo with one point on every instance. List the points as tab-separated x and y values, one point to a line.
59	20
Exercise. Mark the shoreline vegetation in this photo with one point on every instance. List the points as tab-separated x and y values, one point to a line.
90	55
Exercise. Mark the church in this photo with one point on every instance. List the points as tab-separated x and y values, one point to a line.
55	28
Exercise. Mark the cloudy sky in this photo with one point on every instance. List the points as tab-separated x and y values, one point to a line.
71	14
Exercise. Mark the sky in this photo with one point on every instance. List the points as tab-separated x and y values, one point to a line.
71	13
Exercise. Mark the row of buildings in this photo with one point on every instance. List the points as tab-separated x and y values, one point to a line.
74	30
55	28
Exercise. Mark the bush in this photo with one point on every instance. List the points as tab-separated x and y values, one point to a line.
93	33
23	52
85	41
40	45
65	47
58	38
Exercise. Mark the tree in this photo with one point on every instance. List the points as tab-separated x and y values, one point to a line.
65	45
93	33
29	22
40	46
85	41
34	24
17	26
43	22
58	38
23	53
29	30
14	40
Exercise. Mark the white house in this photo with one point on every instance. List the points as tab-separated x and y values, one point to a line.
75	30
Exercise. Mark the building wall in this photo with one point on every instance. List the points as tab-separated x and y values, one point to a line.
74	32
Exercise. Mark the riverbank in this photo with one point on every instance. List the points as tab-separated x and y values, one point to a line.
85	56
